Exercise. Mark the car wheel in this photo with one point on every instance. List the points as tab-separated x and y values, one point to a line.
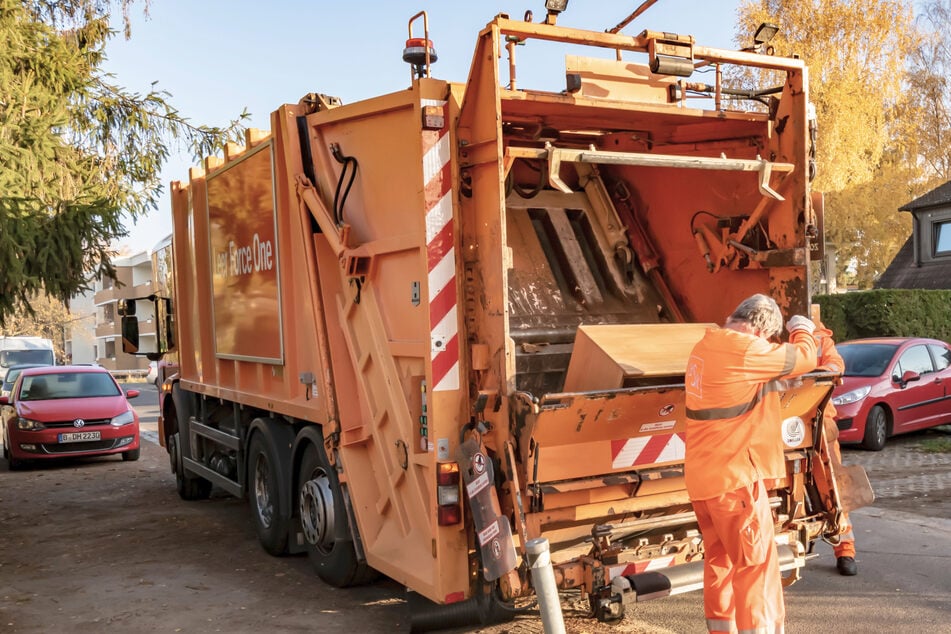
131	456
323	519
264	491
12	463
876	429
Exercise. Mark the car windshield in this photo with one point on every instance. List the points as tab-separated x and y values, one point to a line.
866	359
12	375
41	387
15	357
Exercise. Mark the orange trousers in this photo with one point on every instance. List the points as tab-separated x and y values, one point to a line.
742	587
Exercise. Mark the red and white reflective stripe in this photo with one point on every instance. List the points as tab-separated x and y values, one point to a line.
441	254
640	566
635	452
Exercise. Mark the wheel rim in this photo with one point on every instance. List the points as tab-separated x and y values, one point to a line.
262	496
317	511
880	428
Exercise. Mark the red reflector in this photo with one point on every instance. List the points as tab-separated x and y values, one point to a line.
447	474
455	597
449	515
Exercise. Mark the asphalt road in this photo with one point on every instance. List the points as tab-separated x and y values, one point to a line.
146	405
169	565
904	581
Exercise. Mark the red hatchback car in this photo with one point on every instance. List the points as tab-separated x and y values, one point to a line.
64	411
892	385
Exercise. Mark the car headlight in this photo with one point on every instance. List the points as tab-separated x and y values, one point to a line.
29	425
852	397
123	419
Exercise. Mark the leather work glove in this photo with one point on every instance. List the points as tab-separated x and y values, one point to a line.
798	322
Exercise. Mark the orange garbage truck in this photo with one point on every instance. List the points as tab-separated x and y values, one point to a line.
420	331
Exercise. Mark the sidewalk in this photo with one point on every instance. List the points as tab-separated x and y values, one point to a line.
906	478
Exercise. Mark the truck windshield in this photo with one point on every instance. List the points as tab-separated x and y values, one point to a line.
16	357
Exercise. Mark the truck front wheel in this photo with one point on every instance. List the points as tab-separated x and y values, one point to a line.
324	523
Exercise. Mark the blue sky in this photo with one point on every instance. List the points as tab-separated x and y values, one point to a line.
217	57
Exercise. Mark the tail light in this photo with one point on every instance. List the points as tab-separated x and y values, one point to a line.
447	493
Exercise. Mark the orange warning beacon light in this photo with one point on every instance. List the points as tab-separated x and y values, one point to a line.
419	51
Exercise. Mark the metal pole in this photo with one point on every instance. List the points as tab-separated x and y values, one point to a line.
543	578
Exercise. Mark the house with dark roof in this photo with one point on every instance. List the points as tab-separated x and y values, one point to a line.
924	261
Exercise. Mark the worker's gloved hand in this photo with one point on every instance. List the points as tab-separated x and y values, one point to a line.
798	322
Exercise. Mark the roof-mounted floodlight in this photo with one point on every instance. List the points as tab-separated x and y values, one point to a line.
765	32
554	7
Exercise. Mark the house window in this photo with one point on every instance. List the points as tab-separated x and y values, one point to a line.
942	238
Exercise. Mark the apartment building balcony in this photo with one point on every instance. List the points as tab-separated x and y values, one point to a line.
108	329
105	296
114	329
140	290
108	295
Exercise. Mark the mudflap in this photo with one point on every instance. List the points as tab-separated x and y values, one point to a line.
855	491
839	488
493	530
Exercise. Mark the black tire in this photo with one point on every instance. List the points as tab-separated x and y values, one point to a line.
876	429
12	463
271	519
324	523
189	487
132	455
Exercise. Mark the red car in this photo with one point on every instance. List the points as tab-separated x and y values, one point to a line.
892	385
64	411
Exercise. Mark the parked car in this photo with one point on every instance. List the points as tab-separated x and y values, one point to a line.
152	375
59	411
892	385
13	372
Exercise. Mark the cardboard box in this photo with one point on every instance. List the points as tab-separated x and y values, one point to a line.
610	357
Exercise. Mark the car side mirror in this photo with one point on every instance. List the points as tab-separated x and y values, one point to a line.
4	400
131	393
908	376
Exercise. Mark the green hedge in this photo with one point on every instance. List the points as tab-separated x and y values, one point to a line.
887	313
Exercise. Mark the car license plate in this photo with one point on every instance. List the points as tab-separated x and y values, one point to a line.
79	436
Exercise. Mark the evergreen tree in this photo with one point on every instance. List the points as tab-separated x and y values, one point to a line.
77	151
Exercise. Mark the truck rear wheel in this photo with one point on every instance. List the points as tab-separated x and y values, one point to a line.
264	489
323	519
189	487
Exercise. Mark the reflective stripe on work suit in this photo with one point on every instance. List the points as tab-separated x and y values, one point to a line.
734	442
728	395
830	359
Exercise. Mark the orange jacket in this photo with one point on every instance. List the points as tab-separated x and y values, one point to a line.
733	414
828	358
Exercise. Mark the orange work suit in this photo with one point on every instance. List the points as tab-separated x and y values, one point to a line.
733	443
830	359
